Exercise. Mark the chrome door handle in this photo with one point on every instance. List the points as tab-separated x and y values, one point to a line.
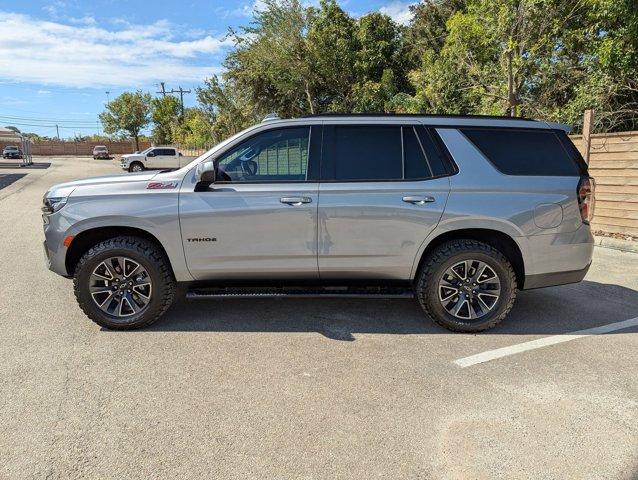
295	200
418	200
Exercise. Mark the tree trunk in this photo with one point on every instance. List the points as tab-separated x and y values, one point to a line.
511	101
309	98
137	143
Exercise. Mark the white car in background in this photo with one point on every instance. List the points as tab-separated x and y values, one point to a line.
154	158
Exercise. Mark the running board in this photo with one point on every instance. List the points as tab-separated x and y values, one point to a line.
298	292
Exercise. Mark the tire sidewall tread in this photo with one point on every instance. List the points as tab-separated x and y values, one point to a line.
141	250
448	253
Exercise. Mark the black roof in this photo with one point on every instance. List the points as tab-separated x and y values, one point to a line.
421	115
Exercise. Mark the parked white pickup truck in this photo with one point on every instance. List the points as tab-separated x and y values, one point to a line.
154	158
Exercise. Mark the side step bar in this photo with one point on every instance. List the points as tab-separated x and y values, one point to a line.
299	292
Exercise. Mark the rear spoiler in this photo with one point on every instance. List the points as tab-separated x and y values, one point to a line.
559	126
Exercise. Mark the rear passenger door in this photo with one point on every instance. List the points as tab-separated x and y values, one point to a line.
166	158
383	190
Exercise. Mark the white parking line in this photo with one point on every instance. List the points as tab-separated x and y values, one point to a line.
543	342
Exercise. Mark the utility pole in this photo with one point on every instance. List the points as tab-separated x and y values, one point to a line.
57	130
163	89
107	96
181	92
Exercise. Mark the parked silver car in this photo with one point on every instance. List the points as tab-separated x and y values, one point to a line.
459	212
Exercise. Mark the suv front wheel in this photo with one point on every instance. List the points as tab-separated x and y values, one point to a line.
466	286
124	283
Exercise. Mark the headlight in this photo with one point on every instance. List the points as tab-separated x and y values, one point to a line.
53	204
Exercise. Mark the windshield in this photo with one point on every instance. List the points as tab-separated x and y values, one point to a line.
147	150
11	148
100	149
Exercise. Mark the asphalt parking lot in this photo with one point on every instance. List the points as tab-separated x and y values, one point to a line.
336	389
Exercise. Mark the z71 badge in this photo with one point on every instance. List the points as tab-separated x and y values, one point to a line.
161	185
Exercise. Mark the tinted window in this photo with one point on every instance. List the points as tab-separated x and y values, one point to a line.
367	153
434	154
415	164
523	152
274	155
164	151
572	151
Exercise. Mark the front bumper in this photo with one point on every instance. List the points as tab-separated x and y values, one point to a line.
54	249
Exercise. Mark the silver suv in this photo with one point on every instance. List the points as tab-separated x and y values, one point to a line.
459	212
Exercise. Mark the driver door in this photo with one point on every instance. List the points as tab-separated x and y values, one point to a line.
153	159
259	219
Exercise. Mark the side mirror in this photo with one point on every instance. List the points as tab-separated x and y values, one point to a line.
205	174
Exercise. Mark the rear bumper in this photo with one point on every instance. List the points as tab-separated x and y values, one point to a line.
557	259
552	279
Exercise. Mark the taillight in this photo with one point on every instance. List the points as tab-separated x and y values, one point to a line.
586	201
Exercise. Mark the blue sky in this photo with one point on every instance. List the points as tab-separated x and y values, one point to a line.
58	58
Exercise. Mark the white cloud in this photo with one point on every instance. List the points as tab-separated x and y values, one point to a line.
398	11
86	55
245	10
44	92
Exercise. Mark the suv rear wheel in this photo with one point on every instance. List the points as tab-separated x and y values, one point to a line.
124	283
466	286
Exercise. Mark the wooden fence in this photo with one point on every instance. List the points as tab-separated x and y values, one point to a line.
80	148
613	163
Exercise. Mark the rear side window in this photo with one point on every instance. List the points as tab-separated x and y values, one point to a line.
367	153
433	153
380	153
523	152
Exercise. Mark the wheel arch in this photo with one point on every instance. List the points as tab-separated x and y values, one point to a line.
84	240
495	238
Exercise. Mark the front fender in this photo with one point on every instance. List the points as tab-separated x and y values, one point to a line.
156	214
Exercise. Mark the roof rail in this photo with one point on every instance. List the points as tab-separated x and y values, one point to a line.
423	115
270	116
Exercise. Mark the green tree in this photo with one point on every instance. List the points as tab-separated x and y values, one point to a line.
195	129
129	113
332	52
378	66
228	108
501	56
165	113
270	62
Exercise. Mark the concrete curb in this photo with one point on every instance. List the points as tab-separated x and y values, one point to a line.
616	244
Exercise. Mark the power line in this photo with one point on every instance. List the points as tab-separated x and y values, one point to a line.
53	125
46	120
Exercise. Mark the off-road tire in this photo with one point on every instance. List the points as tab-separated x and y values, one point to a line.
446	255
132	166
145	253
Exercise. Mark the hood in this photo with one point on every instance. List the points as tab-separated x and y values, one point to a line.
68	187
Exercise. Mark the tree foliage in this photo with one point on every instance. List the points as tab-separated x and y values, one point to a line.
165	112
547	59
129	113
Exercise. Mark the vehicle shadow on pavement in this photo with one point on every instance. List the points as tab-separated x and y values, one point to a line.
549	311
